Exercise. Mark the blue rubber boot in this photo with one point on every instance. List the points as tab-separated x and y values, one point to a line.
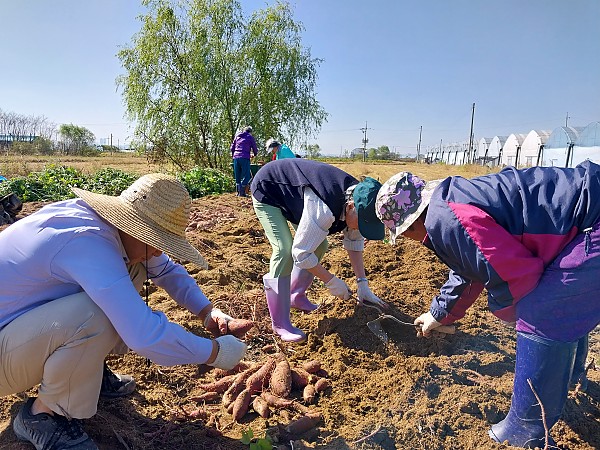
301	280
579	365
548	364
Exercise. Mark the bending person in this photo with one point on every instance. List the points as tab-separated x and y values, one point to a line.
531	238
318	199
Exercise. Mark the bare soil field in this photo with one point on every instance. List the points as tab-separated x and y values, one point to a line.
412	393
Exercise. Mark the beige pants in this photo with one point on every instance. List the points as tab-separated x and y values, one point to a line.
61	346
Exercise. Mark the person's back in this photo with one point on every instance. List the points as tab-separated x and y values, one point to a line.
242	145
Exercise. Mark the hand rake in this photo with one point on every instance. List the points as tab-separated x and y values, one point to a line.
377	329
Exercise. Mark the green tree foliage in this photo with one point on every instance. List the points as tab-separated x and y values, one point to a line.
76	140
381	152
313	151
199	70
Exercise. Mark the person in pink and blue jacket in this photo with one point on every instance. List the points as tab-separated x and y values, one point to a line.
531	238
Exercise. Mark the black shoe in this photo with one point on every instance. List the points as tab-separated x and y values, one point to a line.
115	385
49	432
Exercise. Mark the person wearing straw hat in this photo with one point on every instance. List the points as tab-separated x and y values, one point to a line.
317	199
531	238
242	149
71	275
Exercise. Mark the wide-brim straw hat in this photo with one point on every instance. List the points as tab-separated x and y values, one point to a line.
401	200
155	210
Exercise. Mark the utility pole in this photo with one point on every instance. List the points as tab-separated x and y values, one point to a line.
111	149
567	120
471	135
364	141
419	144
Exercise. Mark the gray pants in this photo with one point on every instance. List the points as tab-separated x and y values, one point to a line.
61	346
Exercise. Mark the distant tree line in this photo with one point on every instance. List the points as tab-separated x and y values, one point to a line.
35	135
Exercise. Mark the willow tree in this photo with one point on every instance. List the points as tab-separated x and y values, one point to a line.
199	70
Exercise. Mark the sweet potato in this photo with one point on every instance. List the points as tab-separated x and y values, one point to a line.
322	373
238	385
260	405
275	401
303	424
300	378
312	366
219	386
206	397
281	379
259	379
240	367
309	393
321	384
239	327
241	404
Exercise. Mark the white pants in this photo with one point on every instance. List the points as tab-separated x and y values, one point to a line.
61	346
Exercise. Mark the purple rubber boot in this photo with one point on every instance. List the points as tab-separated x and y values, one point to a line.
301	281
277	291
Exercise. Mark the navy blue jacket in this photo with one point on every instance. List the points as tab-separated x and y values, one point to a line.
281	184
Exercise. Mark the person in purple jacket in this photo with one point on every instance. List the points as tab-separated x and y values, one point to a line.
71	275
242	149
531	238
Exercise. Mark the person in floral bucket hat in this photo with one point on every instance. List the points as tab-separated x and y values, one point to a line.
531	238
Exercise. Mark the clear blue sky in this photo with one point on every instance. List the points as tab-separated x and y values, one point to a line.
395	64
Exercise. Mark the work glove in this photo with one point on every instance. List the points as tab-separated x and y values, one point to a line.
339	288
216	322
366	296
231	351
427	323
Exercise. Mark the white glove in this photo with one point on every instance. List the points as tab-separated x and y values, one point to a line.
427	323
231	351
366	295
216	320
339	288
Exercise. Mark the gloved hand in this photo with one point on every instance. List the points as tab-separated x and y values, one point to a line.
339	288
427	323
216	322
365	295
231	351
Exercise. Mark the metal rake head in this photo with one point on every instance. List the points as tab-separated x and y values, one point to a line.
377	330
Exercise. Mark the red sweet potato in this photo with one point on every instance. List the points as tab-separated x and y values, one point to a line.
309	393
239	327
206	397
238	385
303	424
300	378
259	379
260	405
241	404
219	386
275	401
312	366
240	367
321	384
281	379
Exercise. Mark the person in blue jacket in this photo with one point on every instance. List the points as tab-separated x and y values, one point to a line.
278	151
242	149
531	238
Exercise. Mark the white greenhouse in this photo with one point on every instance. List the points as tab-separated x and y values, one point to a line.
531	147
559	146
587	145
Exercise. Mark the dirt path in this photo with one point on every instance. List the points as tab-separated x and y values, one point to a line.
440	393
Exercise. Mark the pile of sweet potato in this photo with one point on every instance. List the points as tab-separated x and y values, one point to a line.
269	386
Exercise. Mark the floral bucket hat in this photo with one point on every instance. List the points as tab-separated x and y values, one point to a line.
401	200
